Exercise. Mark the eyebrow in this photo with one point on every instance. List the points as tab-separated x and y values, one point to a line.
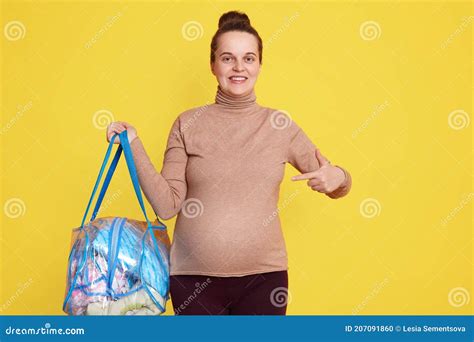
229	53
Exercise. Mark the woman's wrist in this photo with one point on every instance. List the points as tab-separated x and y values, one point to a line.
132	139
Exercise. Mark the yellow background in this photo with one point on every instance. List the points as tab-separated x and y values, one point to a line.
377	107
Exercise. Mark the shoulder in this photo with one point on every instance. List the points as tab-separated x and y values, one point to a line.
192	114
188	117
281	120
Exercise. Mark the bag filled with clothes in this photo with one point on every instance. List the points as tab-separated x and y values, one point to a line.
118	265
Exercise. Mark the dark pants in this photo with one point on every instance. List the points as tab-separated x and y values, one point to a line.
256	294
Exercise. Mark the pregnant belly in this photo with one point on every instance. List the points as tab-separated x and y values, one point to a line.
227	246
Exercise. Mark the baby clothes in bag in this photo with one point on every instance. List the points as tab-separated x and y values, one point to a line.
118	265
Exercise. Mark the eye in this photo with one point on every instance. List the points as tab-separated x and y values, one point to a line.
249	59
226	59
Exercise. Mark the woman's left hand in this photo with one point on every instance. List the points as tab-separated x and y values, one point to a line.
326	179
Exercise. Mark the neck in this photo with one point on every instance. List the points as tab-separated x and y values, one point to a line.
235	104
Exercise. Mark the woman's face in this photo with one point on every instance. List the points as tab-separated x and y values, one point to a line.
236	64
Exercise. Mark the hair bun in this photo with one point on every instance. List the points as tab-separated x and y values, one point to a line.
233	16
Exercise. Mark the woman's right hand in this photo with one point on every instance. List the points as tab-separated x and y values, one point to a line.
118	127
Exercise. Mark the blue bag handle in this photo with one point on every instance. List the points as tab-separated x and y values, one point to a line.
102	168
107	180
125	146
133	172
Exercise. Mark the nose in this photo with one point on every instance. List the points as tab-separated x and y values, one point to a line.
238	66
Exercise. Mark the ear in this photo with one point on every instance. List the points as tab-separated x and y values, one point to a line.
211	64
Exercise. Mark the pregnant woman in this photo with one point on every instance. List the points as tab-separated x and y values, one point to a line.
221	175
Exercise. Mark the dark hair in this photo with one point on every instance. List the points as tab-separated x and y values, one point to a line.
235	21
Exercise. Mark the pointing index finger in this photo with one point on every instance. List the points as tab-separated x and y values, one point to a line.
303	176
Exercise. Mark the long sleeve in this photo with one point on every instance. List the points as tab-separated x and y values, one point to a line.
302	155
165	191
301	151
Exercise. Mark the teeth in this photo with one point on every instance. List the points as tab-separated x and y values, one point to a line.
237	78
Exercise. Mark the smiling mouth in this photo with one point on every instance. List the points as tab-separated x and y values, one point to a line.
237	79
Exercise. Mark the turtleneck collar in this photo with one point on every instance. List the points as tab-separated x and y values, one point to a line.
235	105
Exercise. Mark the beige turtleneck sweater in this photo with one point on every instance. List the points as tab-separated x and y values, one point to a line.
221	174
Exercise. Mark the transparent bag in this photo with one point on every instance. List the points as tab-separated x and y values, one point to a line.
117	265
